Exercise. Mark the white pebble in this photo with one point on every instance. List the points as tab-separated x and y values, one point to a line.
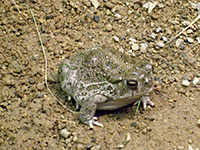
164	38
116	38
190	40
195	81
198	123
189	31
118	16
179	42
153	36
190	147
67	141
135	47
180	147
146	5
160	44
185	83
132	40
185	23
96	147
95	3
198	6
193	5
143	47
64	133
198	39
159	29
150	6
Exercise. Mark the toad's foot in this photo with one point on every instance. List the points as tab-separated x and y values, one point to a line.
94	122
145	101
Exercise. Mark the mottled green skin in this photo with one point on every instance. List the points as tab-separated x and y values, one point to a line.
97	79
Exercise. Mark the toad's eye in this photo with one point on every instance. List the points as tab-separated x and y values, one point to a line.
132	84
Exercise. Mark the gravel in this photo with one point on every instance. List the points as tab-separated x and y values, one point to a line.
185	83
70	26
135	47
95	3
65	133
116	39
195	81
198	123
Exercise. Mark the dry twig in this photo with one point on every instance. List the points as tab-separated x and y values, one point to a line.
195	20
46	63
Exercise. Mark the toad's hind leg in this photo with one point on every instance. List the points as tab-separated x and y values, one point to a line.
88	110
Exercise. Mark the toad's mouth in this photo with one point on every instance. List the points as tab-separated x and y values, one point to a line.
121	102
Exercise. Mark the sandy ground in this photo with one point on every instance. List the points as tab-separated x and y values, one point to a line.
32	119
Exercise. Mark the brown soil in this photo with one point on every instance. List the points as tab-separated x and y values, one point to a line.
32	119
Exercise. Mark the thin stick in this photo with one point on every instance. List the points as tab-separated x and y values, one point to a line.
46	64
195	20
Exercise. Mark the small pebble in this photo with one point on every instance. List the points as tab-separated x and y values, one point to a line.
160	44
159	29
190	147
67	141
109	5
153	36
116	39
198	6
132	41
65	133
40	86
75	138
195	81
164	38
149	129
96	18
190	40
189	31
179	42
108	27
135	47
143	47
156	83
185	23
190	141
35	56
198	123
185	83
180	147
118	16
150	6
152	118
146	5
95	3
96	147
134	124
80	146
198	39
193	5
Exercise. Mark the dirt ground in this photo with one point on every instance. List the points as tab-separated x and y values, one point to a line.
32	119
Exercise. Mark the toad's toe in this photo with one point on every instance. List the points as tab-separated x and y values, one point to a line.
145	101
94	122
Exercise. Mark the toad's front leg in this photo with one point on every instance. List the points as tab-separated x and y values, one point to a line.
145	101
88	110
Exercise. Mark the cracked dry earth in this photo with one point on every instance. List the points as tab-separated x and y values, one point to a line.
30	118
